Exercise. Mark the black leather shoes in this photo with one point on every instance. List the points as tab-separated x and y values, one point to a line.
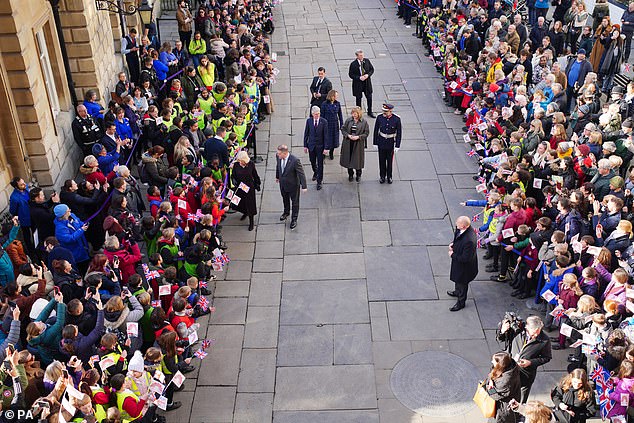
314	177
173	406
318	186
350	178
370	114
456	307
452	293
389	180
283	217
382	180
293	224
358	178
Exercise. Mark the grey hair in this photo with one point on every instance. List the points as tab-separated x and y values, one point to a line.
112	242
315	109
604	164
534	322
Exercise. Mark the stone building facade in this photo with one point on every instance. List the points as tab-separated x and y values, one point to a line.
36	140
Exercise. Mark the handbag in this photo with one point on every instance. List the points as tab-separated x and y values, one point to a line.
483	400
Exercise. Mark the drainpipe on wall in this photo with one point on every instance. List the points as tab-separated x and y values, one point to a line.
62	45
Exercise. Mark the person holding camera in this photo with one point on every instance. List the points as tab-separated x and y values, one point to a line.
528	345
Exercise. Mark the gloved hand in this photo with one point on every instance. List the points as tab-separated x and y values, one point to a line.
376	147
396	149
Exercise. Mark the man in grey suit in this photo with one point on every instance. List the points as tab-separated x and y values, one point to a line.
289	173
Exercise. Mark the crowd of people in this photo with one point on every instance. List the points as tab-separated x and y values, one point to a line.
551	130
102	283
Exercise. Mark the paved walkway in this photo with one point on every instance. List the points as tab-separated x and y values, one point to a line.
310	323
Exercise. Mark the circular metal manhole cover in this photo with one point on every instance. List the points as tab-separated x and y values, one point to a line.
435	383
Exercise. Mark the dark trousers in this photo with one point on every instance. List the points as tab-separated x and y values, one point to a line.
291	198
368	97
185	37
461	292
351	172
134	67
385	163
317	162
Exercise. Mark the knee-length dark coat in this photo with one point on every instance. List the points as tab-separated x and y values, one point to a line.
331	111
353	152
248	175
464	260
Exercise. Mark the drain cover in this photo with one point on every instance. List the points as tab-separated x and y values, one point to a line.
435	383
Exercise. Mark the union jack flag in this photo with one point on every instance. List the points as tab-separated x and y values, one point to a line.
150	274
200	354
203	302
604	388
202	284
476	217
206	343
472	153
156	303
628	67
558	312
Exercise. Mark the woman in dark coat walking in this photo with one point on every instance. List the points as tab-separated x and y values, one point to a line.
331	111
573	398
244	172
503	385
611	59
355	132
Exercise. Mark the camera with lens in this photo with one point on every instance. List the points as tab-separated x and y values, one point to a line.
516	324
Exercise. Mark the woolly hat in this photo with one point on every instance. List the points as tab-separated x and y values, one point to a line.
96	149
585	109
136	362
584	149
581	51
617	182
609	146
628	123
60	210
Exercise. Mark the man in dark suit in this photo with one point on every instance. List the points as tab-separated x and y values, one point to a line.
289	173
360	72
216	147
319	88
529	346
314	140
464	260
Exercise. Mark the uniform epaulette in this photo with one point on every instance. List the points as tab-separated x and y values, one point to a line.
394	114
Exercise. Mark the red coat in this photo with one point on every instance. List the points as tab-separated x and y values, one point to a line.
514	221
183	209
532	215
128	259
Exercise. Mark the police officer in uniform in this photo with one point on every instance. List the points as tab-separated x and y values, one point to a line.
85	130
387	139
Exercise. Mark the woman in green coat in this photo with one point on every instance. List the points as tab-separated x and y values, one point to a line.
46	338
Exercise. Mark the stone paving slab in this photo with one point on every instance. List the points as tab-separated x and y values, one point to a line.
411	264
324	266
421	232
352	344
325	388
307	345
323	302
257	370
361	416
253	407
340	230
405	318
387	202
261	329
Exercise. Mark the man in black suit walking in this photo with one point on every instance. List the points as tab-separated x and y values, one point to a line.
360	72
319	88
464	260
289	173
314	143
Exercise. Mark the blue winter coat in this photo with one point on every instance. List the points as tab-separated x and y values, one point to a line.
19	206
124	130
161	70
332	113
542	4
108	162
6	266
552	284
71	236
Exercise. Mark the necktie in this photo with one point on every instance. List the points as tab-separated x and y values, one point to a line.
316	123
361	66
283	165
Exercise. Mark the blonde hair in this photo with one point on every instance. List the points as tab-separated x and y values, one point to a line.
53	371
570	280
587	304
243	157
358	110
537	412
114	304
625	226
